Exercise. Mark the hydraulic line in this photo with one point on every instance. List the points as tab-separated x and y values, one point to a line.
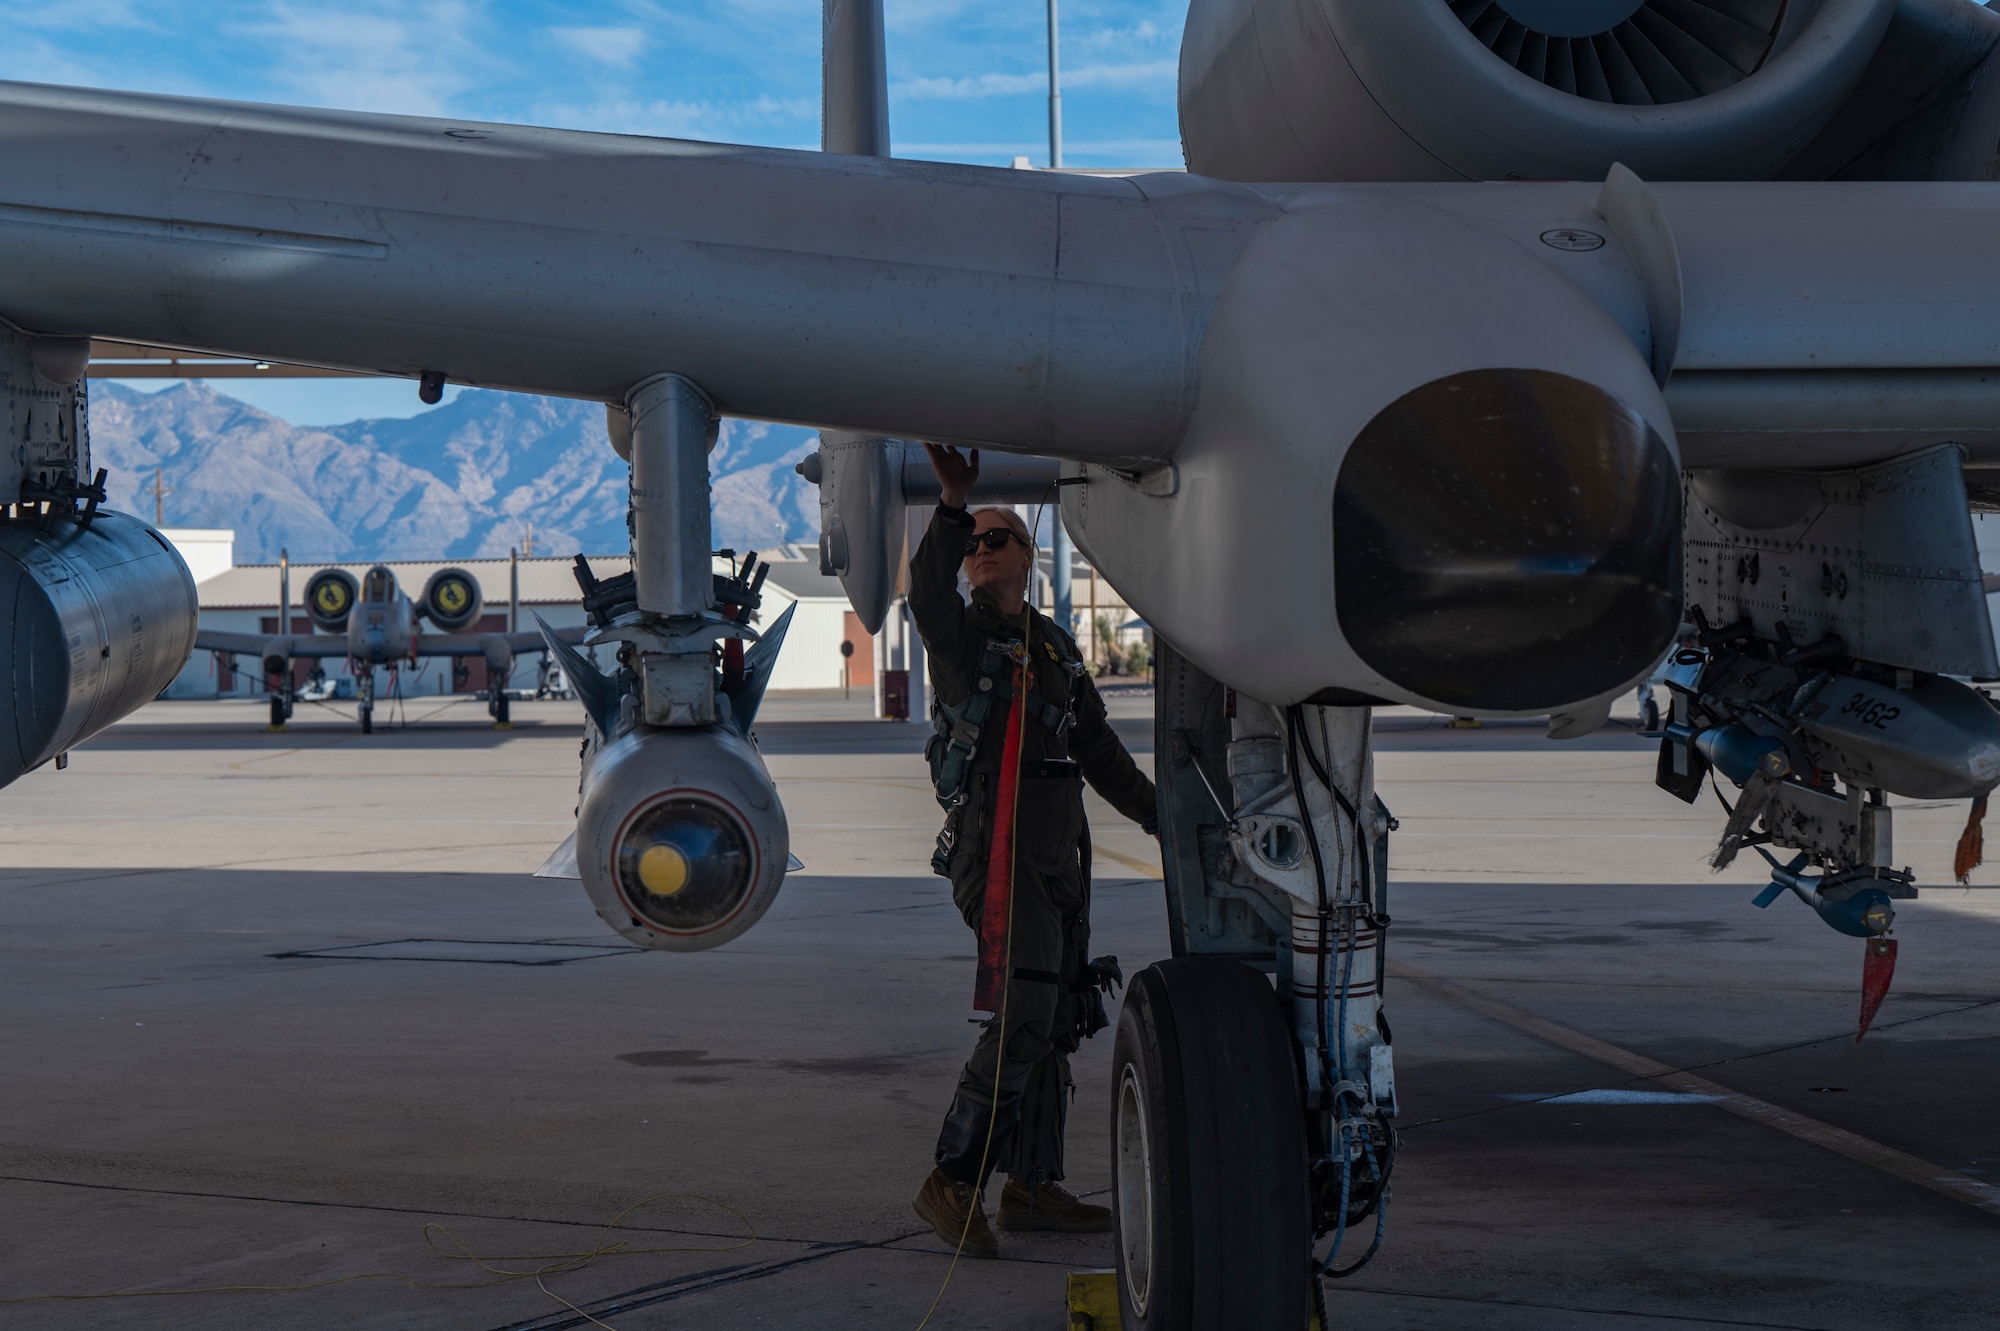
1350	1129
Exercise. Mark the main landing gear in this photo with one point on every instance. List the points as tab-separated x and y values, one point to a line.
496	704
1211	1213
1253	1087
281	706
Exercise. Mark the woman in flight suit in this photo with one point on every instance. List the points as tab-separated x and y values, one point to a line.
1014	1092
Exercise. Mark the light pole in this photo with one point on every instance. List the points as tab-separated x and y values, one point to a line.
1059	557
1055	95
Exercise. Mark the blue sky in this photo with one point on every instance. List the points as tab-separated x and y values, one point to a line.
967	80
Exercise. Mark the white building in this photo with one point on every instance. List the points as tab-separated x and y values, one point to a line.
207	550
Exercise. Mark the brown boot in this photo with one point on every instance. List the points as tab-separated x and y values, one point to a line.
946	1205
1049	1207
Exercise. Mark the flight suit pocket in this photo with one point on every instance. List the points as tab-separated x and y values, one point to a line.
1049	823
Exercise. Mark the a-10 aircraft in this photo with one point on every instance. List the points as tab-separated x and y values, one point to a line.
1483	345
372	624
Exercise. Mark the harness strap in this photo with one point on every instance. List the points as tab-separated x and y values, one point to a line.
997	915
1002	676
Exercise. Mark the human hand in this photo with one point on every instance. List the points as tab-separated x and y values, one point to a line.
955	472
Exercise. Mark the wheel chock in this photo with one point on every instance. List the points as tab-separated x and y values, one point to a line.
503	725
1465	723
276	730
1093	1301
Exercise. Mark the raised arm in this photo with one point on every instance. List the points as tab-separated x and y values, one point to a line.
943	619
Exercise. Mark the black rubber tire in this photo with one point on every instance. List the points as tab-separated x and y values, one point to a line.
277	710
1212	1230
1649	715
501	710
368	720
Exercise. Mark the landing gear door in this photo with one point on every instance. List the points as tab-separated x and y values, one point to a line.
1207	914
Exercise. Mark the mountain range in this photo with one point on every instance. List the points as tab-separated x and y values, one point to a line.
460	481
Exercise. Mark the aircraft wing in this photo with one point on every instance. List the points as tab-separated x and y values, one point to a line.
475	644
296	646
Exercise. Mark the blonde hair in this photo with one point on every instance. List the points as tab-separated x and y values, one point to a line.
1015	522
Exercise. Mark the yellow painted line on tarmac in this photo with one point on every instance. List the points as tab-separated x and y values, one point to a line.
1948	1182
1151	870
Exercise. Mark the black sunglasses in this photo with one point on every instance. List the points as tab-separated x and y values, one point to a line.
996	539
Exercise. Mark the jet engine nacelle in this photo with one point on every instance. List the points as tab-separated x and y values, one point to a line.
452	600
103	617
330	597
681	840
1421	454
1524	89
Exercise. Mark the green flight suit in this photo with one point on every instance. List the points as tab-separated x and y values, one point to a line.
1051	910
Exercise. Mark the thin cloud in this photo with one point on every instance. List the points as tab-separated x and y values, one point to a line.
1144	34
667	118
1147	74
608	46
410	59
76	15
1111	154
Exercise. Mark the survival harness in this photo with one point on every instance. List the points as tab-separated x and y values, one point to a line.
950	749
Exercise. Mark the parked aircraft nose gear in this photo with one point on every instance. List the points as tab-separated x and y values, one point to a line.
1508	540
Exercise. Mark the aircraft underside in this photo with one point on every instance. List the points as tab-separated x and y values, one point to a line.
1491	354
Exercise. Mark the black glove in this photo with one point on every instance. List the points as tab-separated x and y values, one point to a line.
1097	979
1103	974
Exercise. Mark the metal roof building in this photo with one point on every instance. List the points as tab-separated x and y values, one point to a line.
244	599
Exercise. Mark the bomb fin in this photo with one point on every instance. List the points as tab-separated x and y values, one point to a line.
597	691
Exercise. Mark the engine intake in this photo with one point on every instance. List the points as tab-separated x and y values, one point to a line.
1505	539
452	599
1278	90
330	597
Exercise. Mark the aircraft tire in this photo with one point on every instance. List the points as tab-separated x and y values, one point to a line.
277	709
500	709
1212	1227
367	720
1649	715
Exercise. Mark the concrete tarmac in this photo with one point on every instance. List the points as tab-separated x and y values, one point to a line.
289	1010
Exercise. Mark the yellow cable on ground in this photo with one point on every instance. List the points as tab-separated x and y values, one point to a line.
552	1263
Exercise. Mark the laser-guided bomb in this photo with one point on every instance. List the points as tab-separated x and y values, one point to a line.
681	840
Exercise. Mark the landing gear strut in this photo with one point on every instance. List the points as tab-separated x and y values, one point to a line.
281	694
364	688
1253	1086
